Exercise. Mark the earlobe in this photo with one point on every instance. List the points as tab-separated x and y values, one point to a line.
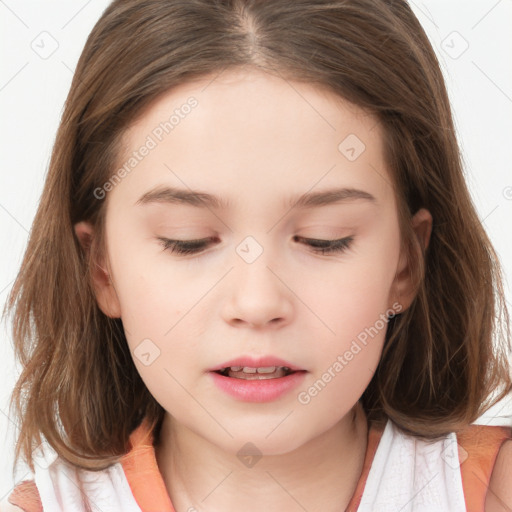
103	286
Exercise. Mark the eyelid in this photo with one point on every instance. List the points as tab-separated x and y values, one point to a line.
317	245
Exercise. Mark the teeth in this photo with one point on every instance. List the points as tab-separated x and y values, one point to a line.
263	369
266	372
267	369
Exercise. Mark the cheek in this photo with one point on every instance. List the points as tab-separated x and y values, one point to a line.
150	292
352	349
353	305
356	295
347	354
157	302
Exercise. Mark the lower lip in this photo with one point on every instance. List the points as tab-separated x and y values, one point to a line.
264	390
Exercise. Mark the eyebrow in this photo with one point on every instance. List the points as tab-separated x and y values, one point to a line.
173	195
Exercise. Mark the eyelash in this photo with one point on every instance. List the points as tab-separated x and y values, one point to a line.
185	247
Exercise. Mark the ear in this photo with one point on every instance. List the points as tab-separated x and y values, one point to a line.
101	279
404	288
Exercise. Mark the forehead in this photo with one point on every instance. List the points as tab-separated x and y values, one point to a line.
243	135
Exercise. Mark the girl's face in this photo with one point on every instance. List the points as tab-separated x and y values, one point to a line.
254	287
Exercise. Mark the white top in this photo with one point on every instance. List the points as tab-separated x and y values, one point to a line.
412	475
407	474
62	487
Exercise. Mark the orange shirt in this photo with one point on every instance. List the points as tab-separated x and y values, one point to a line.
478	449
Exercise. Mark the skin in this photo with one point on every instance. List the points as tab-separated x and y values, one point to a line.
256	139
499	493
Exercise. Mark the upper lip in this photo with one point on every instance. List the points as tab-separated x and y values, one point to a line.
256	362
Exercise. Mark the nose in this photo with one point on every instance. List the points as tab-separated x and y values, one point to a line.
258	296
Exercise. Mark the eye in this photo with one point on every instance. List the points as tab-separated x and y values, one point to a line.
327	246
184	247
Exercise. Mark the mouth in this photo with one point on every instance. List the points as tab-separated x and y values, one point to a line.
260	373
258	383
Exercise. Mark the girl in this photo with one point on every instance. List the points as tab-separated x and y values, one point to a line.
256	278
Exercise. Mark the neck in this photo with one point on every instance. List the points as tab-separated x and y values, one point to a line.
322	474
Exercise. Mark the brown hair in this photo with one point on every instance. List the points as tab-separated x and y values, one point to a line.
79	386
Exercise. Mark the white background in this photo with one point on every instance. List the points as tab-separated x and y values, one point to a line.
33	90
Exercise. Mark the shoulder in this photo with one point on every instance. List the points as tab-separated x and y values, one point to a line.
24	498
479	444
499	493
485	458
